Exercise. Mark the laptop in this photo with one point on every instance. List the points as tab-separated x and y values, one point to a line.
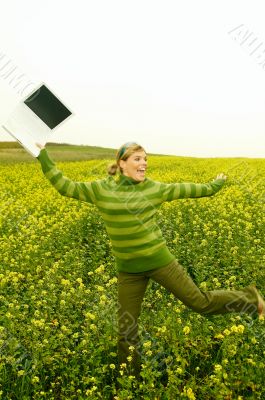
36	117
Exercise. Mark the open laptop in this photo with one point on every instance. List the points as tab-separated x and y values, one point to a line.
35	118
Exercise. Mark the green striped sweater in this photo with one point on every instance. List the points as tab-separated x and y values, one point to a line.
128	208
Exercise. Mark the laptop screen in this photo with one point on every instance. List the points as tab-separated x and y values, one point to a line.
47	107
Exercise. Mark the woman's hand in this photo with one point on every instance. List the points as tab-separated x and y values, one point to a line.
221	176
40	146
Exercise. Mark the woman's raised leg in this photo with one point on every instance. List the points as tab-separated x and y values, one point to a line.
175	279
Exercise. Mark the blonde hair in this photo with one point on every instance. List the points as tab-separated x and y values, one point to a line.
123	153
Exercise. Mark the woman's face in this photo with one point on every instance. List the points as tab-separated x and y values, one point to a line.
135	165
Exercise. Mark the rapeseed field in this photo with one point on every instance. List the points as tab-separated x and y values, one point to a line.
58	288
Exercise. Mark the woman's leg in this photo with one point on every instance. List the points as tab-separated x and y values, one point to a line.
175	279
131	290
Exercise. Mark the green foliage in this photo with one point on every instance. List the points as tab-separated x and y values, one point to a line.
58	289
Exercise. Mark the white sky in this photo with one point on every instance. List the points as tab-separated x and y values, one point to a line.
166	74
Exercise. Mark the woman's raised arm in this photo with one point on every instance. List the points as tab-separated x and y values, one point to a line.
78	190
173	191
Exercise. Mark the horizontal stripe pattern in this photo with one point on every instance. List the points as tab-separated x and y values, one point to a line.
128	209
174	191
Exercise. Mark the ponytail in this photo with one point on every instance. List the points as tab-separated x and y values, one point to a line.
112	169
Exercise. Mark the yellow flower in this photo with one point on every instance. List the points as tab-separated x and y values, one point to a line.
35	379
237	329
240	328
64	328
219	336
251	361
189	393
39	323
90	315
112	366
218	367
147	344
93	327
65	282
186	330
21	372
100	269
203	285
111	281
100	288
179	370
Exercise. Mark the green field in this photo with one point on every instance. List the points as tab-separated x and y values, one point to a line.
58	285
13	152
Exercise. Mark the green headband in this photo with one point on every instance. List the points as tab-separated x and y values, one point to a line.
123	149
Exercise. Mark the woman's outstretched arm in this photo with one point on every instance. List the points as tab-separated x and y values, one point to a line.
173	191
66	187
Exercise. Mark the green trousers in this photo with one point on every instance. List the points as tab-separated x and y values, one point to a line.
173	277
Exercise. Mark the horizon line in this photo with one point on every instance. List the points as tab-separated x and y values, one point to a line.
114	149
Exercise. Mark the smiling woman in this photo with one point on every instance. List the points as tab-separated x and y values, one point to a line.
131	161
128	207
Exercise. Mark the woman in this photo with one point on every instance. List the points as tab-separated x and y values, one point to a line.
128	205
